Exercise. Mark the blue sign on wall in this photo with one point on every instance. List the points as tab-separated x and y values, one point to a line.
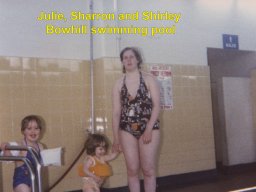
230	41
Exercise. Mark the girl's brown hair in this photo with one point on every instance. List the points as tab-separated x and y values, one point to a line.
95	140
27	119
136	53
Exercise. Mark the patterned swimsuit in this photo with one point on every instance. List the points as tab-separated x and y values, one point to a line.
136	112
21	173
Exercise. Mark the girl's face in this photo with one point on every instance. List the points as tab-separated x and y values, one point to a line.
32	132
100	151
130	61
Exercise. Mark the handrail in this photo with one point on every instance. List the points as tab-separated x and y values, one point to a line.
37	162
28	164
38	167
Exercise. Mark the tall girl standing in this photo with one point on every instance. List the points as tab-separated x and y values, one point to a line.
136	107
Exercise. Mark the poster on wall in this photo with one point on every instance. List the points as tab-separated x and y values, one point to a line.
164	76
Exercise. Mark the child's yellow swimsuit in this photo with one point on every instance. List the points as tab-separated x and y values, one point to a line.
98	168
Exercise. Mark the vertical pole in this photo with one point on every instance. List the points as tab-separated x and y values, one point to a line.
118	36
38	168
92	71
28	164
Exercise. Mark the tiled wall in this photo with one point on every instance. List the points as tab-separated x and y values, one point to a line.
59	91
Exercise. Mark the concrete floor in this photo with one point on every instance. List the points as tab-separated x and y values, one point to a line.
245	181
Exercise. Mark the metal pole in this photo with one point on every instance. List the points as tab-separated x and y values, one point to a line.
38	167
36	159
92	70
28	164
118	36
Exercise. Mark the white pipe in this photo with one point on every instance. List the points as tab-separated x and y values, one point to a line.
118	38
91	71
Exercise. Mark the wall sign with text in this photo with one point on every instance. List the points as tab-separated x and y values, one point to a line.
164	76
230	41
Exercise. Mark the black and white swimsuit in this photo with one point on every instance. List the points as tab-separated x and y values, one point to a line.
136	112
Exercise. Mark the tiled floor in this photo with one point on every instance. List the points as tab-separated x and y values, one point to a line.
223	183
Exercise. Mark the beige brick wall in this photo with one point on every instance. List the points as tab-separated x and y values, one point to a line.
59	91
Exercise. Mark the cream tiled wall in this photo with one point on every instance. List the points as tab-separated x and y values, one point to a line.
59	91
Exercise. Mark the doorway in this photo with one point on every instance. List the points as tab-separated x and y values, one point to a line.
232	104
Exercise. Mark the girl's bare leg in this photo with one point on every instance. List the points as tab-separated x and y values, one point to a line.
22	188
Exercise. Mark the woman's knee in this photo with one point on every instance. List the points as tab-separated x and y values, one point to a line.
133	172
148	171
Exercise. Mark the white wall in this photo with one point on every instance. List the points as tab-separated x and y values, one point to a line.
238	122
202	24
